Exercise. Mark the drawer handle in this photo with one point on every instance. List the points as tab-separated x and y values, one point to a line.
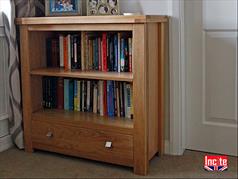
108	144
49	134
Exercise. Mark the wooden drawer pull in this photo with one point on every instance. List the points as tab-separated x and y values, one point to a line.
108	144
49	134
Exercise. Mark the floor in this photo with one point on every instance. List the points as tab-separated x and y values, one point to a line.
15	163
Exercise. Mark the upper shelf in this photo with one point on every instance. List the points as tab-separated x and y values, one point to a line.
96	75
120	19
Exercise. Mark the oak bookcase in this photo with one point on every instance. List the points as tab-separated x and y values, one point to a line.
135	142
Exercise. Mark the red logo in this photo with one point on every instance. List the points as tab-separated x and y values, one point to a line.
215	163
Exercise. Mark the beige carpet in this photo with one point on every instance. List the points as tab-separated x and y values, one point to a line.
19	164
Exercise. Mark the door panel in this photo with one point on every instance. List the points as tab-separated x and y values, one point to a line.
211	70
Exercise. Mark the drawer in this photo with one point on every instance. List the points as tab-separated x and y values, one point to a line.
88	143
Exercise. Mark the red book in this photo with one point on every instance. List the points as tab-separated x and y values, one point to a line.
60	93
104	51
105	97
66	66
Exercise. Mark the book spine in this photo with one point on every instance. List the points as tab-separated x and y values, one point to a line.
126	55
79	95
76	96
125	100
61	50
60	93
122	55
105	112
115	52
128	99
95	98
83	51
118	99
119	52
83	96
101	94
90	62
130	54
88	95
122	110
99	55
66	94
108	98
69	51
104	43
111	54
71	95
115	97
66	67
132	105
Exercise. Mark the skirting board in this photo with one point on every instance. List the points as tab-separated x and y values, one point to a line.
5	143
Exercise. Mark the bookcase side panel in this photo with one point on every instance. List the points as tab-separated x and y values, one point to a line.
37	58
152	86
26	87
139	97
163	61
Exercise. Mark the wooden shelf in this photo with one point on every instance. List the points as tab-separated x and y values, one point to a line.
91	20
85	120
97	75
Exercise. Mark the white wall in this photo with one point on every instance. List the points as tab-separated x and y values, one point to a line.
148	7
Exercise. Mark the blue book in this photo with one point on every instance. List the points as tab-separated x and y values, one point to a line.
71	95
75	95
116	52
66	94
110	99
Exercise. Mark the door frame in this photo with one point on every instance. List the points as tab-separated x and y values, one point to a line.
177	64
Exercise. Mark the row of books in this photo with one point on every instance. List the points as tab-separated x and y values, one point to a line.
102	51
107	98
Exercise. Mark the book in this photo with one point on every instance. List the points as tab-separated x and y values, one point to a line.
69	52
130	54
66	94
61	50
60	93
71	95
66	62
104	51
78	105
95	98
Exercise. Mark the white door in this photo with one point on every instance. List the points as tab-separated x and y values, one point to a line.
211	75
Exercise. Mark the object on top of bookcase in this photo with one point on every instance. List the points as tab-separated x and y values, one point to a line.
102	7
63	7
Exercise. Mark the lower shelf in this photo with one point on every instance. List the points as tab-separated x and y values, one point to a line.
85	120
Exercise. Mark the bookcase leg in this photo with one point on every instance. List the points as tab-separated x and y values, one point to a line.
141	170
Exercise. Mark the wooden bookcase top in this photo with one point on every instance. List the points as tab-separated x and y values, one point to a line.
91	20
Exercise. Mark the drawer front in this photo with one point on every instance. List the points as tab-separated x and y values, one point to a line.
88	143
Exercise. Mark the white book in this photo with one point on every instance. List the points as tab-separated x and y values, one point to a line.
101	91
69	51
61	45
